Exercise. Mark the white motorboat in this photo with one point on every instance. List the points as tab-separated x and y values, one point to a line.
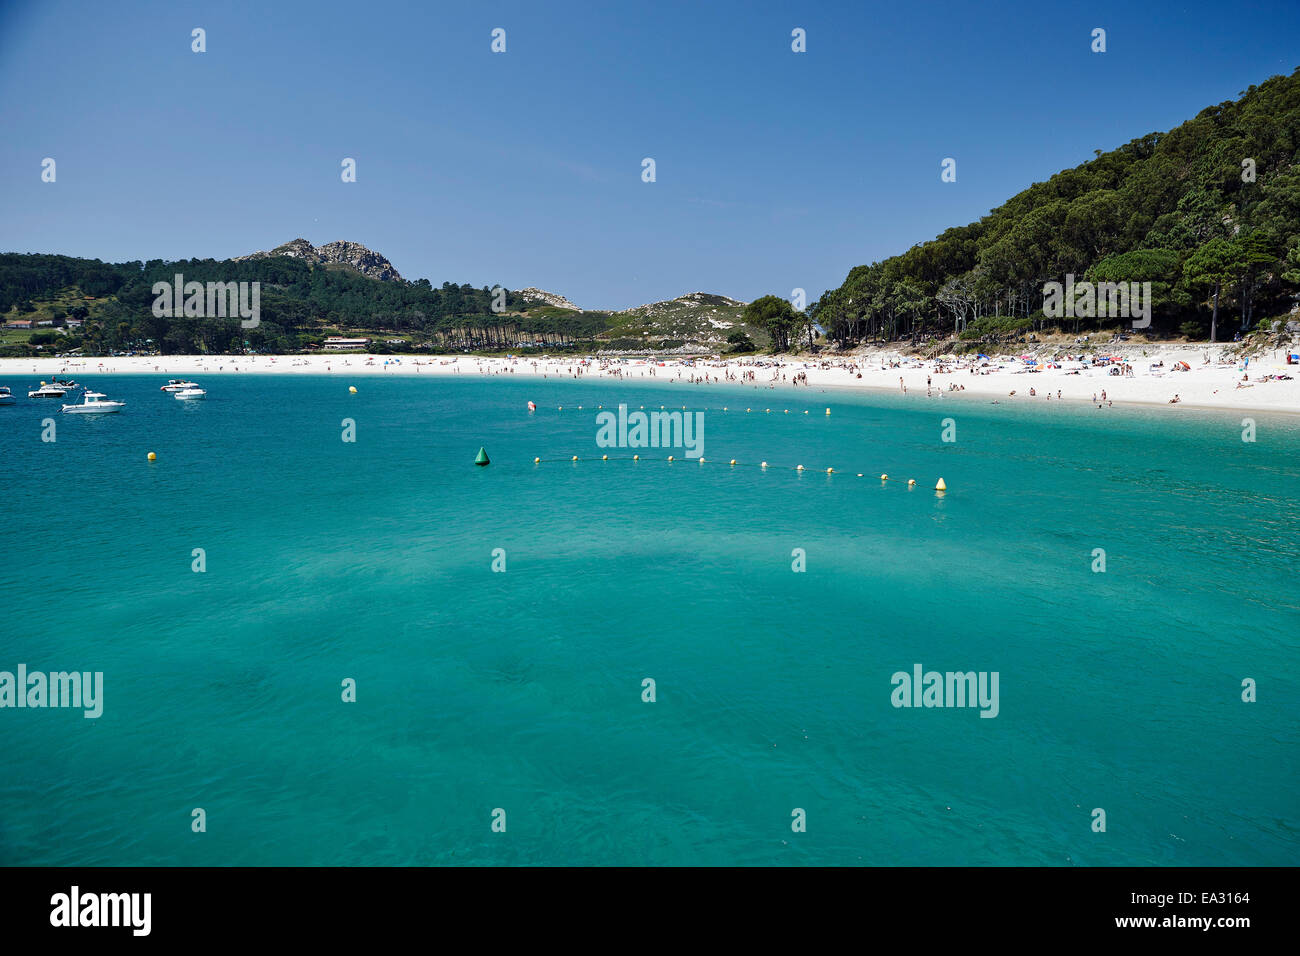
48	391
95	403
178	385
190	394
6	396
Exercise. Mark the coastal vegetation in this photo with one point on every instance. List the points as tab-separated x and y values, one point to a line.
1209	213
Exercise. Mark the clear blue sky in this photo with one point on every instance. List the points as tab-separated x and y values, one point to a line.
775	170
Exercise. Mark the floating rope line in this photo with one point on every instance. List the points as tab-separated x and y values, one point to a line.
940	486
663	408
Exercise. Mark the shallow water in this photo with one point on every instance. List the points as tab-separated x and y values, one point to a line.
522	690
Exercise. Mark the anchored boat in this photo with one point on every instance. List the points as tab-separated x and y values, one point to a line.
48	391
95	403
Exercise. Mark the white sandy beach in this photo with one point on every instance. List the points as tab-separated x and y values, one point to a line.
1151	376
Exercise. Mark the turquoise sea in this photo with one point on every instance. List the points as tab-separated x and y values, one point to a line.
522	690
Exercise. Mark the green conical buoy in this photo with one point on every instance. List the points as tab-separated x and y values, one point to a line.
482	458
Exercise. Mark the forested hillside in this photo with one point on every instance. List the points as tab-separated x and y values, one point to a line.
300	303
1212	206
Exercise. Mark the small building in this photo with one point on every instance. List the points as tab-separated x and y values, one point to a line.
338	342
19	324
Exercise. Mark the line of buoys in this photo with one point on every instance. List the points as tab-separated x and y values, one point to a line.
532	407
941	486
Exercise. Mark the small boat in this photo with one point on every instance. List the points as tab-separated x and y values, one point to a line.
189	394
178	385
48	391
6	396
95	403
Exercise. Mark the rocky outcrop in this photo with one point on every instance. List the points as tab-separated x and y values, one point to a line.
370	264
547	298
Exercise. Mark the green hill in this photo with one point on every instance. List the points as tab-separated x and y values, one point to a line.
1211	205
307	294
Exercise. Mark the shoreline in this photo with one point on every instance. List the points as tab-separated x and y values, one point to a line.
1210	381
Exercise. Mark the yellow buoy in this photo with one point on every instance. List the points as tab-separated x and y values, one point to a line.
748	409
661	406
724	408
940	486
575	457
884	477
352	389
805	411
683	408
828	411
763	465
859	474
604	457
733	461
911	482
537	461
561	408
768	410
830	471
579	408
636	457
152	456
670	457
701	459
799	468
787	411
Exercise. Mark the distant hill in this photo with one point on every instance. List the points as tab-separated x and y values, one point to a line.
553	299
308	293
352	255
697	318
